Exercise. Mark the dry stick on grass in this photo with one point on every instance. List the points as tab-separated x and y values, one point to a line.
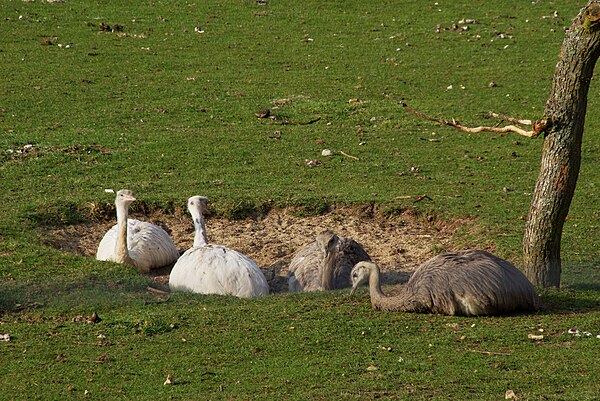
312	121
489	352
418	198
350	156
538	126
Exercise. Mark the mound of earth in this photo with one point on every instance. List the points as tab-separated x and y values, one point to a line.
397	243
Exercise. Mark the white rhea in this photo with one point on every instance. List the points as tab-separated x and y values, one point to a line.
214	269
468	283
325	263
138	243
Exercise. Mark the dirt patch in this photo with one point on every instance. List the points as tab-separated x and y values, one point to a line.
398	242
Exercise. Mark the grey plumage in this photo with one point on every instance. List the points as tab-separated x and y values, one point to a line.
325	263
470	282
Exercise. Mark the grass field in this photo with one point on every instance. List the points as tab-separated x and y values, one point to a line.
164	103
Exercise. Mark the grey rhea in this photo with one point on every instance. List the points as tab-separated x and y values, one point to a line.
469	283
325	263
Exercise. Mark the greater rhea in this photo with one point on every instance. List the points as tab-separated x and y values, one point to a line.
325	263
137	243
470	283
214	269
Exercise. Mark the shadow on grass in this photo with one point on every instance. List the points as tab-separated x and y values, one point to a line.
581	275
82	293
107	289
568	300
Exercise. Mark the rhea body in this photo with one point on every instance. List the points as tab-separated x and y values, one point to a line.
325	263
137	243
214	269
469	283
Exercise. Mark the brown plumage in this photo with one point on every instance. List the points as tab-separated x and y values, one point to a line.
469	283
325	263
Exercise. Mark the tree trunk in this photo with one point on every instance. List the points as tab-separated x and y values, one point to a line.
561	156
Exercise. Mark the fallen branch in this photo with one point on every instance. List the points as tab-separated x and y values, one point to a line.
312	121
538	126
157	291
418	198
350	156
97	343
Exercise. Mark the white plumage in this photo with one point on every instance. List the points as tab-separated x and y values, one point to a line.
215	269
137	243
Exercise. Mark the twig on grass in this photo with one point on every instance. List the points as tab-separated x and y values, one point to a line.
350	156
417	198
490	353
157	291
420	198
312	121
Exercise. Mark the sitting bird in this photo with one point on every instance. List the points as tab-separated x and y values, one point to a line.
214	269
325	263
137	243
469	283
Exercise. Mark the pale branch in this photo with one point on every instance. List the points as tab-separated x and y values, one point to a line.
538	126
490	353
418	198
350	156
510	119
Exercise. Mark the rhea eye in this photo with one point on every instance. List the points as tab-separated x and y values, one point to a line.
354	275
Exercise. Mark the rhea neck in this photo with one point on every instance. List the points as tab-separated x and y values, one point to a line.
404	301
327	274
199	227
374	283
121	248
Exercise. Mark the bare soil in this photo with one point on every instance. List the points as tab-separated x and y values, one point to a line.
397	243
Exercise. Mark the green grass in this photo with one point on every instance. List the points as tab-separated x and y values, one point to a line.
324	346
169	112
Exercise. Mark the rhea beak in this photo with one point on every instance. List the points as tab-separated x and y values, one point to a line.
353	289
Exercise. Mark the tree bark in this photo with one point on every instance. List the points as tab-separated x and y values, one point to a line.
561	157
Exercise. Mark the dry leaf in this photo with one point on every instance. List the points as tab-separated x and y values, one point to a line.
312	163
94	318
263	113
